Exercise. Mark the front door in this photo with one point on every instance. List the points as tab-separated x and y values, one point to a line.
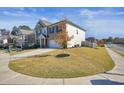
42	43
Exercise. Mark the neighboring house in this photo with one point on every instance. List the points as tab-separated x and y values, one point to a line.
4	32
2	41
25	38
46	33
5	41
4	38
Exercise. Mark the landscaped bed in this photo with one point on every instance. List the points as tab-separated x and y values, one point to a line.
80	62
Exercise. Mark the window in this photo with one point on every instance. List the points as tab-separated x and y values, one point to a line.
77	32
38	32
59	28
51	29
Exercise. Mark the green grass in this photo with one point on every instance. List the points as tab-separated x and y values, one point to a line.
81	62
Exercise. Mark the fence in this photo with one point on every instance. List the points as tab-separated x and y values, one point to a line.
89	44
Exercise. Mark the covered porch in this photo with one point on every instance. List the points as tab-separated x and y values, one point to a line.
43	41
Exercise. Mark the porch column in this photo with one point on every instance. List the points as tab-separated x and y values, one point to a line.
40	42
44	42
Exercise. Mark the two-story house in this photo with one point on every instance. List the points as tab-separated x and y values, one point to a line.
46	33
23	38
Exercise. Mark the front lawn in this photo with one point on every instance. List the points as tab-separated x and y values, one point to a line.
81	62
21	51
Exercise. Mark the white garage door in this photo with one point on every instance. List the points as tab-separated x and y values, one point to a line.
53	44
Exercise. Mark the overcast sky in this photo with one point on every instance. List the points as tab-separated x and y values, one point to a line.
99	22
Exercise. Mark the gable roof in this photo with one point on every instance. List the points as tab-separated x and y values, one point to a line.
69	22
4	32
44	22
26	32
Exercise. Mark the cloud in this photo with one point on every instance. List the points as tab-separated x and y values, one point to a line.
120	13
103	27
91	14
43	18
33	9
20	8
18	13
5	13
9	25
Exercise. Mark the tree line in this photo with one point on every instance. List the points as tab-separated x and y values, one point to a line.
115	40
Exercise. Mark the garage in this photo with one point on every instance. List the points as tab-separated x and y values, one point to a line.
53	44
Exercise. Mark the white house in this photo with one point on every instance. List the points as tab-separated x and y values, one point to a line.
46	32
4	41
4	38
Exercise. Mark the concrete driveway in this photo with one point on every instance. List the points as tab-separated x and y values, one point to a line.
113	77
31	53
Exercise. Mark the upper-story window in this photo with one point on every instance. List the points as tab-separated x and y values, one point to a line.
77	32
44	31
58	28
38	32
51	29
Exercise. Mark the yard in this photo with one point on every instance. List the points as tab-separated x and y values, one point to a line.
21	51
81	62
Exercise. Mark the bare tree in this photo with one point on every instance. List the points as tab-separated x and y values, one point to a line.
62	38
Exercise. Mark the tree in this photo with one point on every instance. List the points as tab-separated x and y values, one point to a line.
91	39
118	40
110	39
62	36
15	31
24	27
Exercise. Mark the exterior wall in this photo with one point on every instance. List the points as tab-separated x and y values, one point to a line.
44	31
38	30
78	35
30	39
26	40
52	34
53	30
51	42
